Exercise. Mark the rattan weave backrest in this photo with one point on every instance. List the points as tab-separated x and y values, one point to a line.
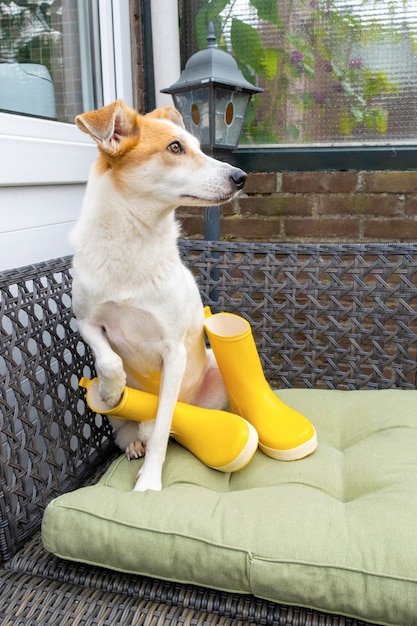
332	316
328	316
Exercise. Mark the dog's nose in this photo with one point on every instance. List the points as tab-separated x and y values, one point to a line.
238	177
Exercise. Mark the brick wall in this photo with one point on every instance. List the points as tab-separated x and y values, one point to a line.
318	206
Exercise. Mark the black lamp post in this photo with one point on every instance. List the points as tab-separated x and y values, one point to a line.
212	96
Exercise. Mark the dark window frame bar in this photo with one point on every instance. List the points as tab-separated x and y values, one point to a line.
312	158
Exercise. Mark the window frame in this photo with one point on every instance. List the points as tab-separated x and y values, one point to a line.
312	157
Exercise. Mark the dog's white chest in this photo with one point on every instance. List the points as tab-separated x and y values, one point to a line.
134	334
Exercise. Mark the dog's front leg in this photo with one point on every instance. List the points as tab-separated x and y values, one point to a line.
150	476
108	364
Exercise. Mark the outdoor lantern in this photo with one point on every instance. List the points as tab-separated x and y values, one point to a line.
212	96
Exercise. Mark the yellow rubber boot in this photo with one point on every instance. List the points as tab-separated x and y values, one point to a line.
284	434
222	440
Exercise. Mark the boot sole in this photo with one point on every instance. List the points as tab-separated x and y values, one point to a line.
293	454
245	456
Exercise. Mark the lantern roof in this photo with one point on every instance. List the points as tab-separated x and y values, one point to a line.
211	66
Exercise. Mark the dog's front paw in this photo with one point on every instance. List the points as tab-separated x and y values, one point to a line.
135	450
111	389
147	480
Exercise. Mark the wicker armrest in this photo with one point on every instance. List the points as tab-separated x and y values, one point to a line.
50	440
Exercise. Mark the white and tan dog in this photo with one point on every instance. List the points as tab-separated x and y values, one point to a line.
137	305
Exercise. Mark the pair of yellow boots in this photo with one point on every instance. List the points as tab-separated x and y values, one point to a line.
226	441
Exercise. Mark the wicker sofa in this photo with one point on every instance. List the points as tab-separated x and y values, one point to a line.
324	316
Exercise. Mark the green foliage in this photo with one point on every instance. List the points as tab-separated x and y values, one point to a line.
306	71
268	10
247	45
25	32
209	12
377	84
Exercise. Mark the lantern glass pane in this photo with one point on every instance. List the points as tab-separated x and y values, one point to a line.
230	114
194	108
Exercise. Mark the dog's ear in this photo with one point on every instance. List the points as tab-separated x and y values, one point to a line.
110	125
167	113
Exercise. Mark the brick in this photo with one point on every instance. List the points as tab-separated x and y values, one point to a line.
261	183
276	205
358	204
192	227
390	230
322	229
195	215
230	208
251	229
182	212
410	205
319	182
390	182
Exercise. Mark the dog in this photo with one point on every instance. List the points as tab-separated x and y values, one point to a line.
137	305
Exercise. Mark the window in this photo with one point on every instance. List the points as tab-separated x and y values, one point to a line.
335	72
48	54
57	59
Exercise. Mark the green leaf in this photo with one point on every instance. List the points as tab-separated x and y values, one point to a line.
209	12
378	119
381	121
269	62
357	114
307	100
201	24
308	69
267	10
247	45
378	83
250	114
293	131
346	123
347	88
308	55
295	40
261	133
215	7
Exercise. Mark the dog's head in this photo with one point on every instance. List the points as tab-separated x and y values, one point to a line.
154	155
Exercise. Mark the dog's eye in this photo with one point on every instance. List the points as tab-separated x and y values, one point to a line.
175	147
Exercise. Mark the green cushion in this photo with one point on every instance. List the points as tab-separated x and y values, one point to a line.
336	531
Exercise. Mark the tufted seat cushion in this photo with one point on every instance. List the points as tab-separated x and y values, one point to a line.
335	531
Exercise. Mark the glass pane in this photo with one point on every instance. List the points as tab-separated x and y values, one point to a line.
230	112
194	108
333	71
45	60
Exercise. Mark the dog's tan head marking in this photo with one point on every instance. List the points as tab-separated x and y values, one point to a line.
167	113
116	128
154	156
113	124
110	126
